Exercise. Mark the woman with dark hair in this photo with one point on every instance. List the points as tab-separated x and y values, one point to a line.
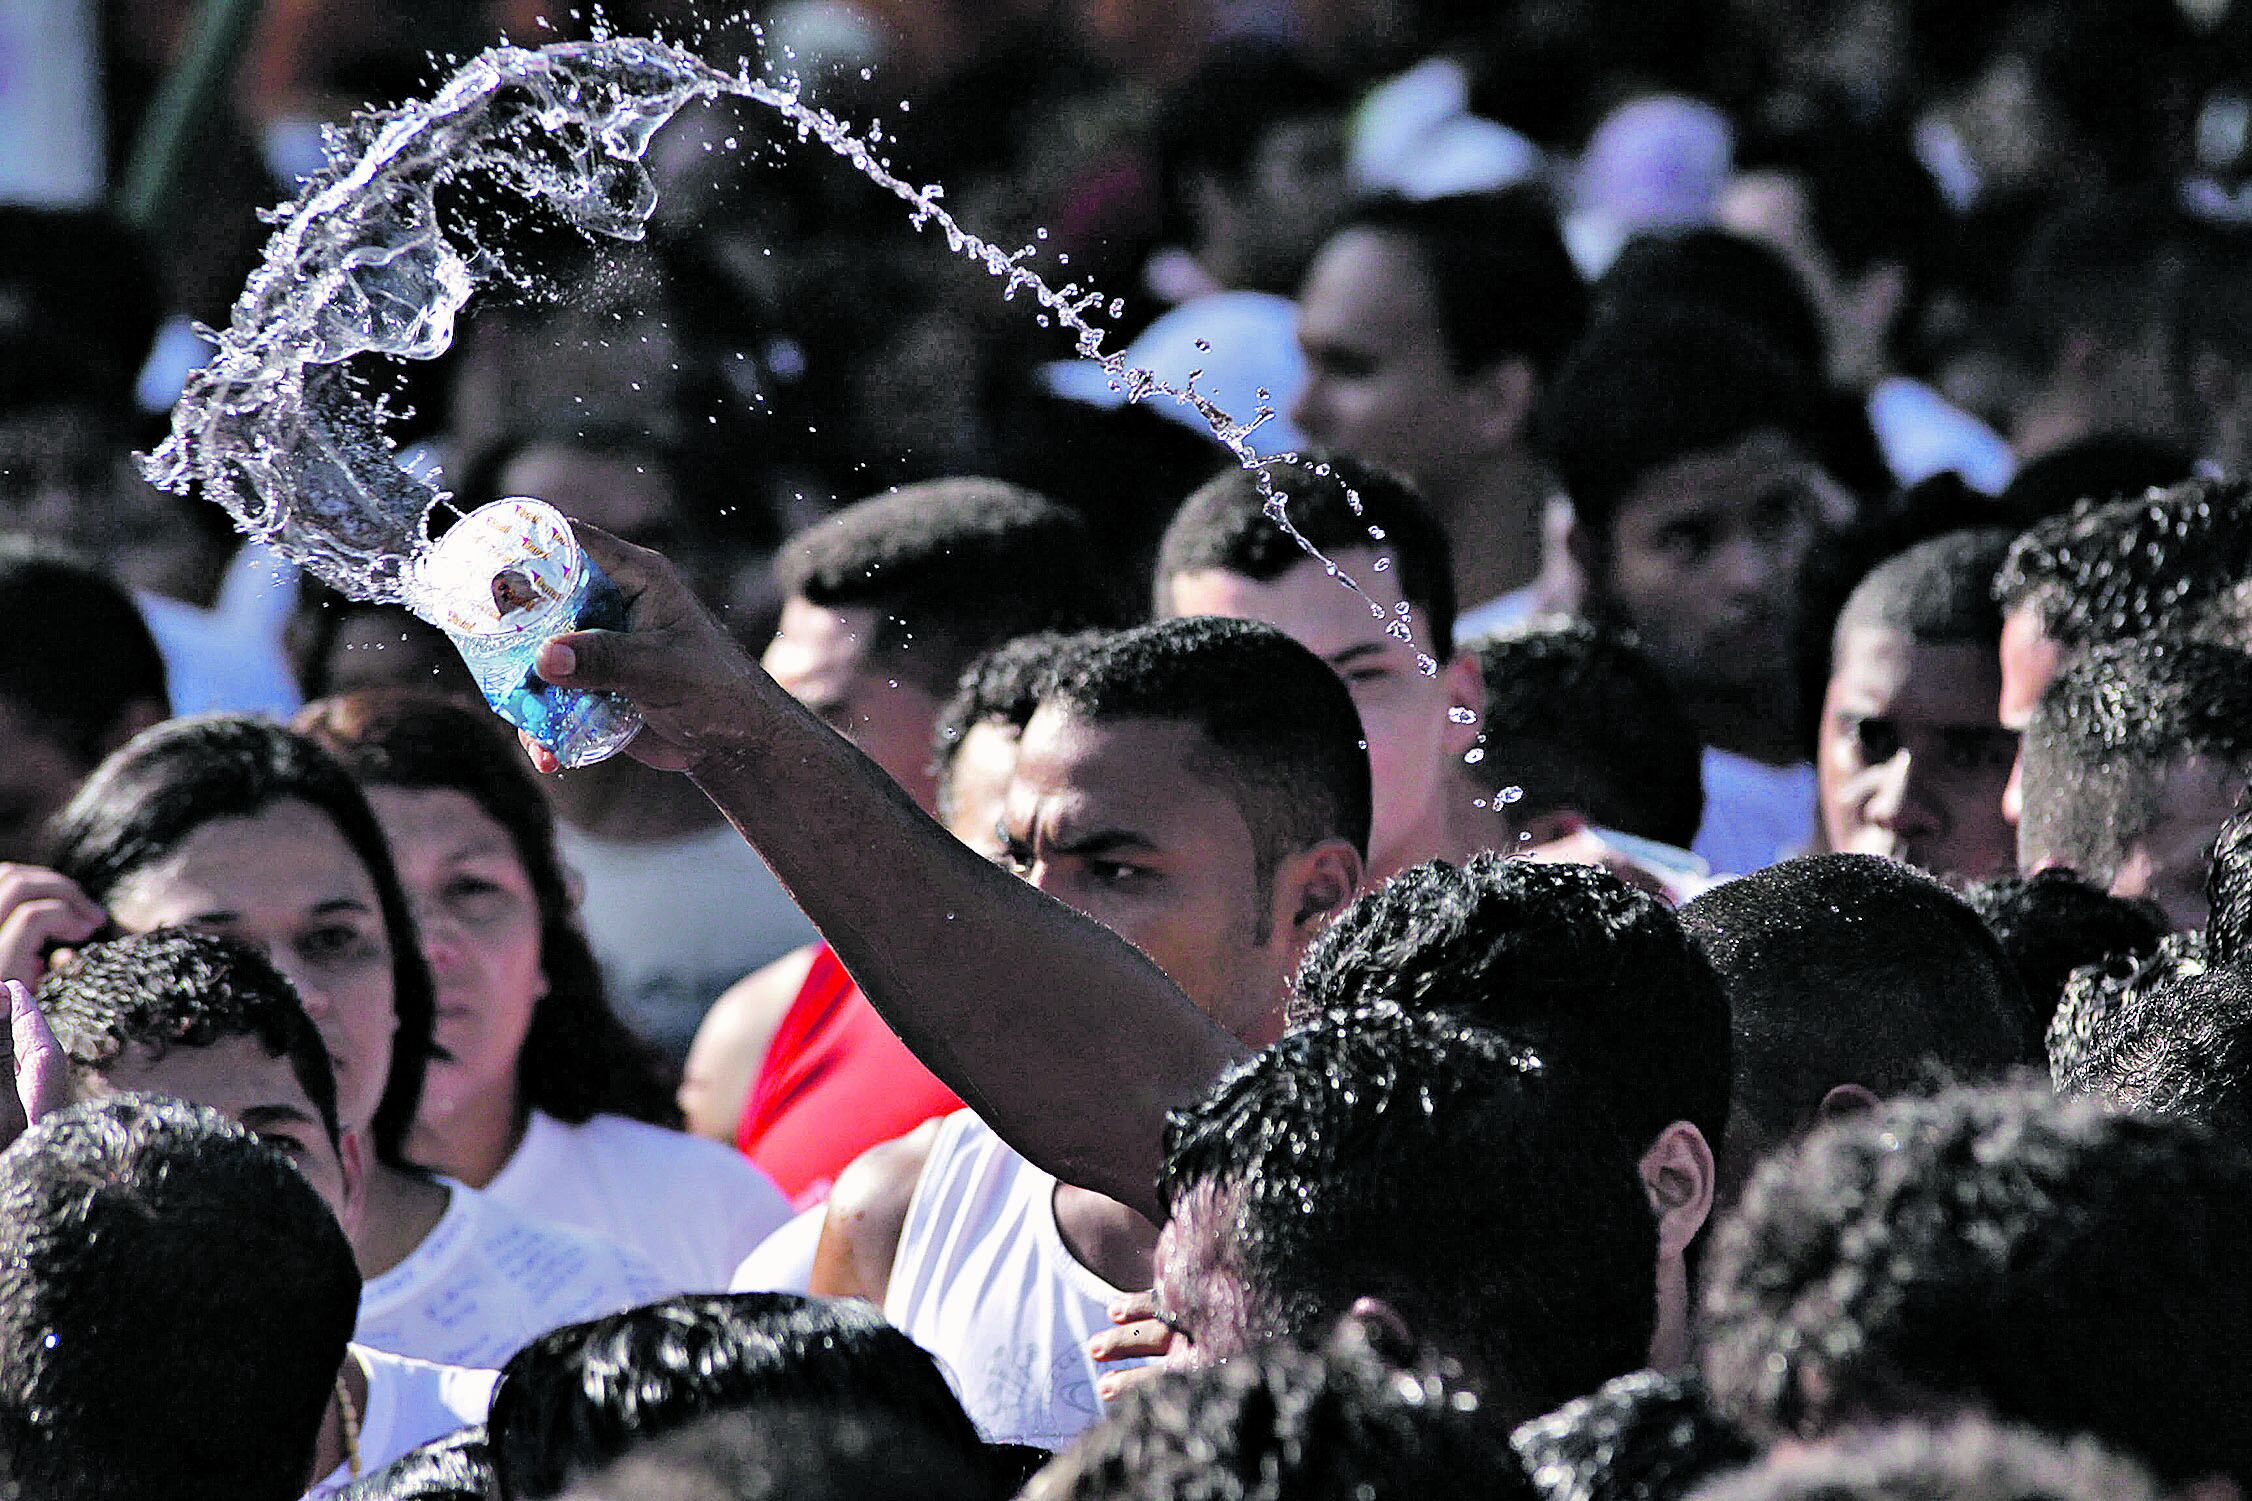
239	827
537	1094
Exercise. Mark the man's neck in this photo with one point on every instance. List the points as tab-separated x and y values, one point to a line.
622	799
1493	523
333	1449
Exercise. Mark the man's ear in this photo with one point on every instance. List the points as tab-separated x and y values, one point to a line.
351	1153
1679	1178
1313	886
140	714
1507	391
1466	689
1378	1327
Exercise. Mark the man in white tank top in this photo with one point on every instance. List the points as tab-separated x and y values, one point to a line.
1199	787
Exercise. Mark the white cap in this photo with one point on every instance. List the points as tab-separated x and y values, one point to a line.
1659	162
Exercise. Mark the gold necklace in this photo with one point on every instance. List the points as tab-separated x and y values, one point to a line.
348	1414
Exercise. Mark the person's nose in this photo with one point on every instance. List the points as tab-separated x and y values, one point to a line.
1309	409
2013	791
1901	805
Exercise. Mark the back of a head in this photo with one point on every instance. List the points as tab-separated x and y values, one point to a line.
174	1303
2105	467
2228	893
458	1467
1002	686
1642	393
576	1399
951	568
1851	969
1504	283
2099	268
2165	562
2106	733
1334	504
793	1452
1583	719
1591	973
1651	1436
1940	592
2170	1034
2044	1260
1970	1459
1288	1425
1281	730
80	698
2052	923
1443	1169
1718	272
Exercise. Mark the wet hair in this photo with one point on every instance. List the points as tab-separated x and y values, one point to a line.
2101	739
2167	562
1722	273
171	988
1851	969
952	568
458	1467
795	1451
2051	923
1502	281
1582	718
578	1059
575	1399
78	698
1969	1459
2170	1034
174	1302
152	796
1443	1168
1280	732
1642	393
2097	469
1940	592
1651	1436
1334	503
2228	893
1589	972
1001	687
1288	1425
2045	1260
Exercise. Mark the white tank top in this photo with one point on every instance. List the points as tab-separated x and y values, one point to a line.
984	1281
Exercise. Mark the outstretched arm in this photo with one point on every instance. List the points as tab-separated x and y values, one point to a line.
1060	1034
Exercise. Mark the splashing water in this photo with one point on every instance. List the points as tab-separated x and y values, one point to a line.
275	430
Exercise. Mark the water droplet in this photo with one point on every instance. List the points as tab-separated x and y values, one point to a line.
1461	715
1474	755
1509	795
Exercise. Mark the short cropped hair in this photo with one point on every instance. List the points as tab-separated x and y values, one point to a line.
1335	504
1851	969
2046	1260
1969	1459
1003	686
458	1467
1651	1436
1282	734
2166	562
951	567
2228	893
174	1303
1288	1425
575	1399
2051	923
1939	592
796	1451
1473	246
1444	1168
2170	1034
172	988
1581	717
77	697
1593	974
2096	469
1642	393
2104	734
1720	272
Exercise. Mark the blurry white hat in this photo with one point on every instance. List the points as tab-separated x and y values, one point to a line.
1414	135
1236	343
1655	163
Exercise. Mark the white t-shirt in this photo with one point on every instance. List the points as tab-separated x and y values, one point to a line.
984	1281
410	1402
692	1209
674	922
783	1263
489	1279
1755	814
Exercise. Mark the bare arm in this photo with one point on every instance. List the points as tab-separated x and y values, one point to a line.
1060	1034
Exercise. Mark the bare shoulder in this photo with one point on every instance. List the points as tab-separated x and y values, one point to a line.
732	1043
867	1214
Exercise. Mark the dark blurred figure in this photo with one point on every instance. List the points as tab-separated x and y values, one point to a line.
1644	1437
2098	468
1966	1459
2052	923
793	1452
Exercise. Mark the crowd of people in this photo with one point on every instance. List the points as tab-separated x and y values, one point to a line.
1653	904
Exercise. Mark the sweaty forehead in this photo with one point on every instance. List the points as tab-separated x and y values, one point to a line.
1369	288
234	1076
1882	671
1151	777
1318	612
1735	475
817	649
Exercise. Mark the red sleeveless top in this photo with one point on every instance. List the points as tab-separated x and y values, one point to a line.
835	1082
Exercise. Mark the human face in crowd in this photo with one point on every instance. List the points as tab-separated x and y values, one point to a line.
2169	863
285	881
1111	819
479	922
1911	760
1199	1293
821	657
1414	743
2030	661
978	787
237	1077
37	776
1704	560
1380	384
